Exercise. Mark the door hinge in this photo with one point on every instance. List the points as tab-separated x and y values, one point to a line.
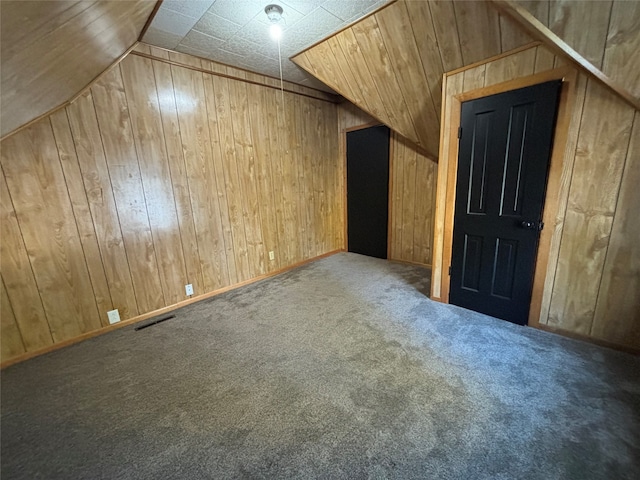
449	270
459	132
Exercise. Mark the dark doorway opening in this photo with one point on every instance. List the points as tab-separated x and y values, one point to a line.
368	191
503	162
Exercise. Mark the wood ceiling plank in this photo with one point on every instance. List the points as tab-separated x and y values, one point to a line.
59	50
362	75
379	63
428	48
478	29
445	26
405	59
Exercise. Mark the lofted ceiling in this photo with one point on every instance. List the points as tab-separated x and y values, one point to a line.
391	63
236	32
50	50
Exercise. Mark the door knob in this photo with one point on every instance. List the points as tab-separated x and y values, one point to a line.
532	225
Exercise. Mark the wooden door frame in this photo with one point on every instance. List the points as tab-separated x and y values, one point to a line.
374	123
569	76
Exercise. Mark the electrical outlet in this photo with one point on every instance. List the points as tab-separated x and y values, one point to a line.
188	289
271	255
114	316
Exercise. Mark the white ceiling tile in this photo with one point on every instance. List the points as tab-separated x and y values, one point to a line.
289	14
160	38
307	6
349	10
173	22
238	11
216	26
314	27
236	32
188	8
201	41
242	46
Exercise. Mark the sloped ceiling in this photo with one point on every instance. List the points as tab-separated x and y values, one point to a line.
50	50
391	63
236	32
386	62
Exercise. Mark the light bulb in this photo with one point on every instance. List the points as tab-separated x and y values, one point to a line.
276	31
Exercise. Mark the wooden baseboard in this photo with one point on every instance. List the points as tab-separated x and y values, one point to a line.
585	338
160	311
406	262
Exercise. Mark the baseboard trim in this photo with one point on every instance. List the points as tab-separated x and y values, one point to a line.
160	311
407	262
585	338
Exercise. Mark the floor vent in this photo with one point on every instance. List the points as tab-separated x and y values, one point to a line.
154	322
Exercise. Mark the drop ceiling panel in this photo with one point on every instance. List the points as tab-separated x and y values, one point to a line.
236	32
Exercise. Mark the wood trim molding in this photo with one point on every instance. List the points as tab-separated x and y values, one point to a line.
150	20
160	311
569	76
325	97
494	58
538	30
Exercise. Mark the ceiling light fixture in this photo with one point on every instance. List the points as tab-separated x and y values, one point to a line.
274	14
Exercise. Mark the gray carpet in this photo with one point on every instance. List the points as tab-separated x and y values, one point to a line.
342	368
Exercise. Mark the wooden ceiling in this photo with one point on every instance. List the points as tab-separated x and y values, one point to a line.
386	62
51	50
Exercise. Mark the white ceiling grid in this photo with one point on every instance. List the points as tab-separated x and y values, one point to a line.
236	32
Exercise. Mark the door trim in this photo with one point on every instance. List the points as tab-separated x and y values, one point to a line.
450	133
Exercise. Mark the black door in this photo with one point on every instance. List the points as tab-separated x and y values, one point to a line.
503	161
368	190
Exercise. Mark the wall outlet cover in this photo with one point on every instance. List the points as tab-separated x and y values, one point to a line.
114	316
188	289
271	255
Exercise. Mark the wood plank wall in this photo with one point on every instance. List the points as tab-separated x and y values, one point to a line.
412	194
52	50
592	285
391	63
158	177
605	32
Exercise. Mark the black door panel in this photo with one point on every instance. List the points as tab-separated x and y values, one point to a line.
368	191
503	162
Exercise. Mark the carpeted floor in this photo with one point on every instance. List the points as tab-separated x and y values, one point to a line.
342	368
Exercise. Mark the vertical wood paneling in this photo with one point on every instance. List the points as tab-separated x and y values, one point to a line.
583	25
97	184
82	212
10	338
159	176
179	180
623	45
148	134
602	147
32	168
18	277
590	286
617	317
